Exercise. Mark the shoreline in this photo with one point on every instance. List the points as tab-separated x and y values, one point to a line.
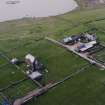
75	8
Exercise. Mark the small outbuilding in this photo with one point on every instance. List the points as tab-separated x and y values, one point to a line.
34	75
33	63
29	59
90	37
14	61
71	39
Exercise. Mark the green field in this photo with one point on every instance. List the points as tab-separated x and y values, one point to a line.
19	37
100	56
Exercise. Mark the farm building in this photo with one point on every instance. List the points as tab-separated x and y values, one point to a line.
77	38
33	63
35	67
71	39
90	37
34	75
84	41
86	46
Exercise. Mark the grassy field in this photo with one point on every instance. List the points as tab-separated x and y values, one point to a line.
19	37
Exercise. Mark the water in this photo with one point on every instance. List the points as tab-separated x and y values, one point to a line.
34	8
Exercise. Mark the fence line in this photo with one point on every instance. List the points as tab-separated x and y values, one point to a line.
13	84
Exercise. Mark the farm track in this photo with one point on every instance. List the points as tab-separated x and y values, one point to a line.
13	84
